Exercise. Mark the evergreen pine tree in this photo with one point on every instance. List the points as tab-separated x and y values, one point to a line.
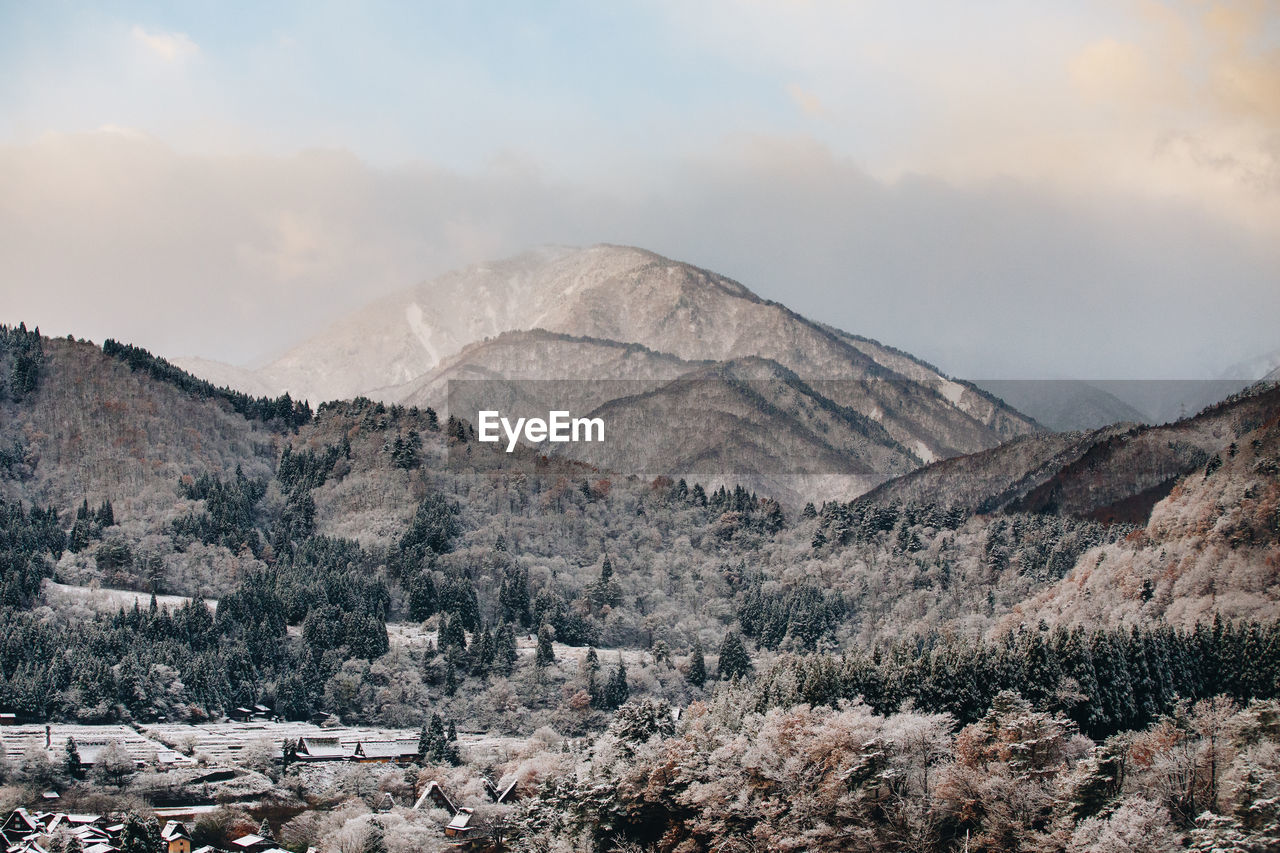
504	649
697	666
483	652
139	835
450	676
71	760
376	839
617	690
546	653
734	660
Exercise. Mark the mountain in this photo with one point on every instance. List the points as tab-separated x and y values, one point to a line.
94	429
362	557
1167	400
1064	405
1070	404
1210	548
1115	473
624	314
746	421
1260	366
523	361
1067	404
225	375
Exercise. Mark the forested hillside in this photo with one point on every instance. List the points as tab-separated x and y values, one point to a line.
378	563
1212	547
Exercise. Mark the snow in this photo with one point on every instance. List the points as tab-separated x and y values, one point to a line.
953	391
110	600
923	451
421	330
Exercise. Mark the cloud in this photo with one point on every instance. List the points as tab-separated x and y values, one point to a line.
169	46
1107	69
809	103
1080	96
237	257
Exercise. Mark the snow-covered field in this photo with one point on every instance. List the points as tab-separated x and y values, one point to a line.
110	600
223	743
18	741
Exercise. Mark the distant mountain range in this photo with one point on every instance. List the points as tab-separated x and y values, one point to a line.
739	388
1072	404
1064	405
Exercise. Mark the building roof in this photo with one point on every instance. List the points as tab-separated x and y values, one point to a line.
436	795
460	820
508	791
387	748
174	830
89	832
249	840
321	747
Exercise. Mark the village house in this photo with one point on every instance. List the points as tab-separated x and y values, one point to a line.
461	824
507	794
402	751
436	796
252	843
24	831
18	824
176	837
321	749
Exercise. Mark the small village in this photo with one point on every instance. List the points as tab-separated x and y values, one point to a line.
209	763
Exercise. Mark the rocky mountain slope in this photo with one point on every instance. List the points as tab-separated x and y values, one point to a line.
746	421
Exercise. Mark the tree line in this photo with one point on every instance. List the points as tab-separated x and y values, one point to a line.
282	411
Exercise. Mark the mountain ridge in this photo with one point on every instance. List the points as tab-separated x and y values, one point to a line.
1114	473
569	314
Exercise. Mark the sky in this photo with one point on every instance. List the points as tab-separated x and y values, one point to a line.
1008	190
